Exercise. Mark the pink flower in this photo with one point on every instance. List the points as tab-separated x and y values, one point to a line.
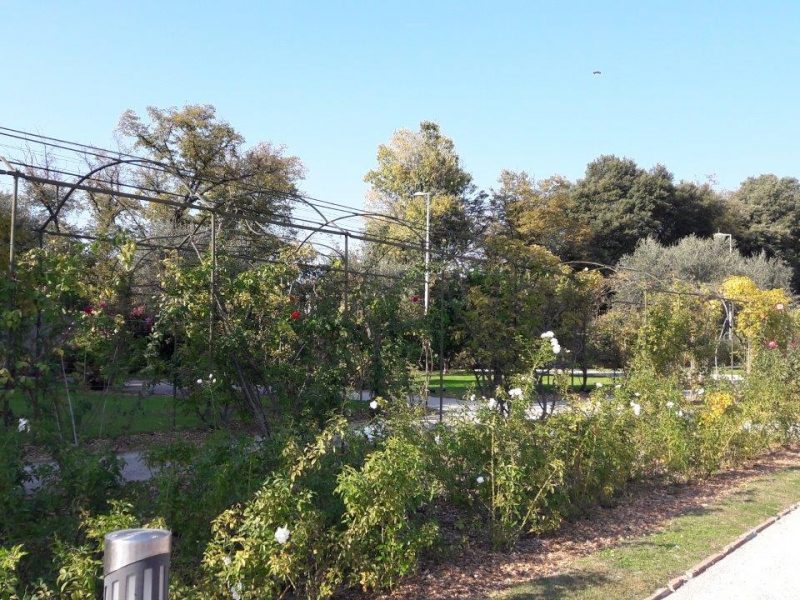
295	315
137	311
772	345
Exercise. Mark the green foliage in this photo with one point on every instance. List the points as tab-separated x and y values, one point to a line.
624	204
384	531
769	221
195	484
9	559
693	260
422	161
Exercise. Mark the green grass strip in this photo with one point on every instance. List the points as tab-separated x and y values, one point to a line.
639	566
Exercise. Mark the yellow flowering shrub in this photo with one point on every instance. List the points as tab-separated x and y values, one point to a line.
716	403
760	314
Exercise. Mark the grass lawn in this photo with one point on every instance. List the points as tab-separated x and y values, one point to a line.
639	566
458	383
112	414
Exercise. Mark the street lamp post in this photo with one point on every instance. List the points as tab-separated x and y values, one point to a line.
721	236
427	196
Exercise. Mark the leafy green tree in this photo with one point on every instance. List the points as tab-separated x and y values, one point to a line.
542	212
694	261
207	161
623	204
771	213
422	161
509	302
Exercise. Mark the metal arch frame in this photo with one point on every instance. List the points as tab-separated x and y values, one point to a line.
74	186
171	170
335	221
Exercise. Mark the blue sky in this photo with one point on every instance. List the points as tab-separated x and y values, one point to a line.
702	87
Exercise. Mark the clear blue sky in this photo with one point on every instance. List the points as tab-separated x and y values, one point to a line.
702	87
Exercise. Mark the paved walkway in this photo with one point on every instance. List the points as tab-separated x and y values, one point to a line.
765	568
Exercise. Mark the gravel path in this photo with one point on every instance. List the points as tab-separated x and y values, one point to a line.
765	568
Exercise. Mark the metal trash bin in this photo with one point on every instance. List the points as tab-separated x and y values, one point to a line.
136	564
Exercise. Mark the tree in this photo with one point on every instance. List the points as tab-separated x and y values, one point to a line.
771	214
623	204
694	261
208	162
422	161
510	301
541	212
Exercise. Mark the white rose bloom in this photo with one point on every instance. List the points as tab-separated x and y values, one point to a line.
480	479
24	426
515	392
236	592
598	385
680	413
373	405
437	439
472	397
637	394
700	392
547	335
492	402
618	386
556	349
637	409
211	376
670	404
747	425
214	380
282	535
199	382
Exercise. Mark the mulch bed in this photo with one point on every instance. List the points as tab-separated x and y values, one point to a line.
645	508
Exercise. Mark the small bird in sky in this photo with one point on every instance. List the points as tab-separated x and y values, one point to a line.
596	73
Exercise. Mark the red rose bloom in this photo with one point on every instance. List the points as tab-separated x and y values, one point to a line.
415	298
88	309
295	315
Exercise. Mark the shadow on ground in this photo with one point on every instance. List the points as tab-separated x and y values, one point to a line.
558	586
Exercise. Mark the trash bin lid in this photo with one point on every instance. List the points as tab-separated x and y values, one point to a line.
128	546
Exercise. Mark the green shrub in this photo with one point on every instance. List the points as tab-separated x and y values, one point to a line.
384	528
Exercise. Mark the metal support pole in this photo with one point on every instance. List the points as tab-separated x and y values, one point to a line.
645	307
346	268
427	247
12	227
441	347
213	279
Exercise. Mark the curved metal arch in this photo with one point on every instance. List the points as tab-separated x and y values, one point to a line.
610	268
365	214
147	161
74	186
